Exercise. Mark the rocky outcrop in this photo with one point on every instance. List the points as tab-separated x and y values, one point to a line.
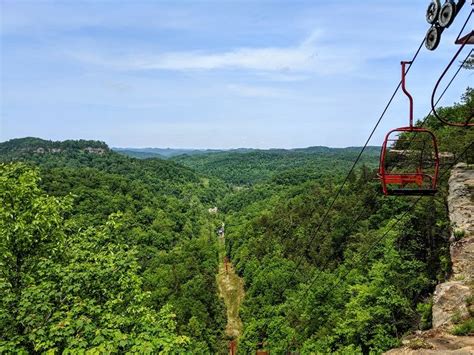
435	341
99	151
451	299
450	303
41	150
460	200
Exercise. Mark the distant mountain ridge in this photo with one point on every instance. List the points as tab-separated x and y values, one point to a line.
145	153
28	145
282	165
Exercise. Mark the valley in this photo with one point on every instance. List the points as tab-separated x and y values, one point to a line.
236	177
231	289
109	253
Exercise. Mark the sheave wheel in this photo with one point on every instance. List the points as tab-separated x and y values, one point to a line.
433	11
447	14
433	36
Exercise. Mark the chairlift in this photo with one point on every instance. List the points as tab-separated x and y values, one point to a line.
409	160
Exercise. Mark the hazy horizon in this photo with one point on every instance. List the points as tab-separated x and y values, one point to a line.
236	148
191	148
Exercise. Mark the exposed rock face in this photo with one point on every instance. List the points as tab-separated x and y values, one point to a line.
461	198
449	301
92	150
435	342
450	298
99	151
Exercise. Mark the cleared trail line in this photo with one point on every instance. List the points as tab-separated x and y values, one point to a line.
231	289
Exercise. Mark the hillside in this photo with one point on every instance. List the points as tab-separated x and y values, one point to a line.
249	167
96	155
144	153
148	218
351	280
108	253
22	146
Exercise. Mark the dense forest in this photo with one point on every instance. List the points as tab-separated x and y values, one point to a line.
359	281
101	251
281	166
109	253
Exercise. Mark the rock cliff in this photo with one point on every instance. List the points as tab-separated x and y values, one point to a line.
452	300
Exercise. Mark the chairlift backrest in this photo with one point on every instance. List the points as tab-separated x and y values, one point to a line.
409	159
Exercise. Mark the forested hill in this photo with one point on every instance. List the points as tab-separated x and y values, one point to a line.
346	276
25	146
96	155
285	166
144	153
103	252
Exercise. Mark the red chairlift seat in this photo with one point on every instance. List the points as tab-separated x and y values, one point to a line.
417	174
409	161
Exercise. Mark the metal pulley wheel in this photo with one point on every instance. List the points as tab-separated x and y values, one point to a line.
447	14
433	11
433	36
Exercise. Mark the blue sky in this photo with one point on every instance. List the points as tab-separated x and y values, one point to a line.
214	74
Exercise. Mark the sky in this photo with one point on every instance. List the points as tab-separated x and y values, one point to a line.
215	74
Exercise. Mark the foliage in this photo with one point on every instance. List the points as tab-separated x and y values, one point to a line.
425	311
107	253
454	139
358	286
287	167
465	328
161	217
66	289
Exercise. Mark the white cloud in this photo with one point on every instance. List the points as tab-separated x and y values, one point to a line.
255	91
310	56
272	59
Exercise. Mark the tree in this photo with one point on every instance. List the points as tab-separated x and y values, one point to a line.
469	64
69	289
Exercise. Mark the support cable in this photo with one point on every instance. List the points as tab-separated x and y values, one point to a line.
331	205
382	237
359	216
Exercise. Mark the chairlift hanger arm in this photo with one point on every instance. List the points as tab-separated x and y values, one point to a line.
467	122
410	98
